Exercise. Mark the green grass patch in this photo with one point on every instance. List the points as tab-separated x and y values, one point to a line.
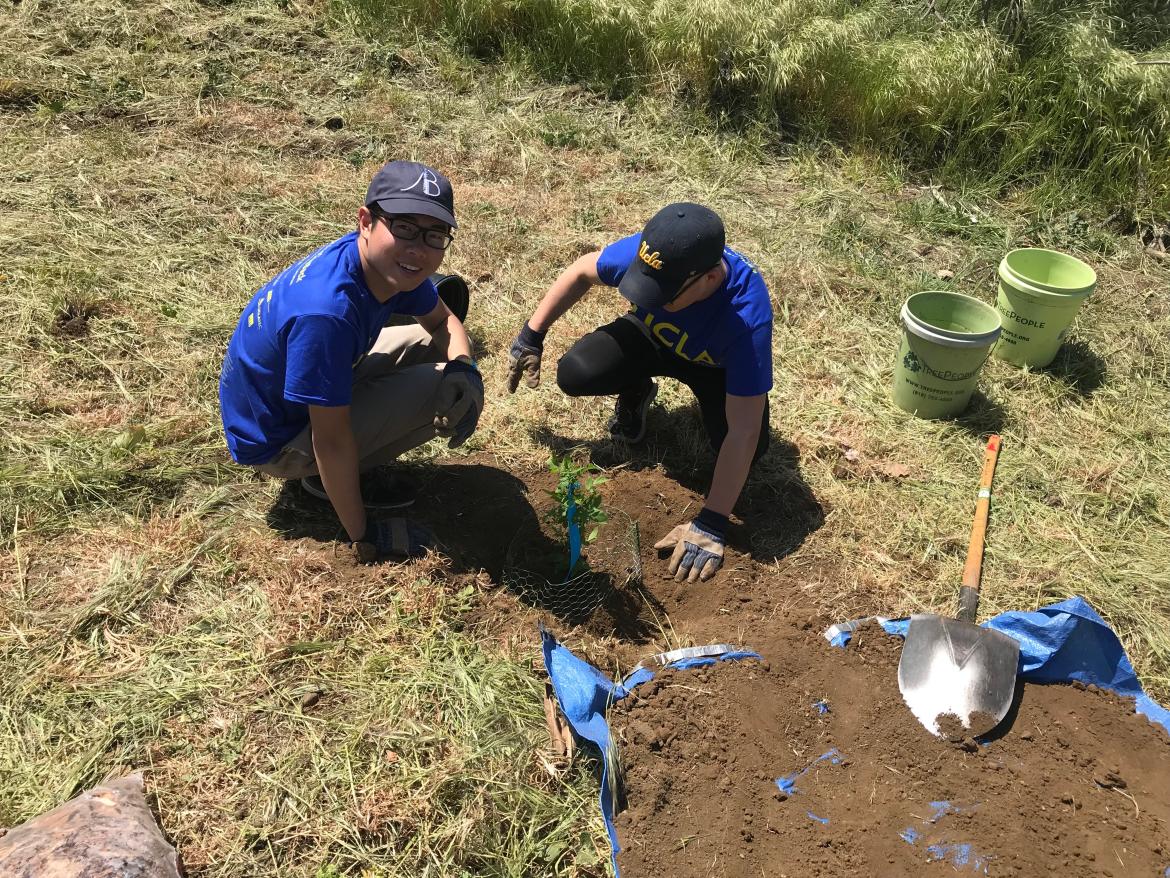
1040	90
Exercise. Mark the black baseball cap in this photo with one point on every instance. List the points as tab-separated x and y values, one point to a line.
409	187
681	241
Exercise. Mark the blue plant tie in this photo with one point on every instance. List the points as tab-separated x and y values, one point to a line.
574	531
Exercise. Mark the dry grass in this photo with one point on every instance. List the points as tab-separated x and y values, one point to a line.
169	158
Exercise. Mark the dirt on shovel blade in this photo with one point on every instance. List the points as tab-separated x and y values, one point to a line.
810	764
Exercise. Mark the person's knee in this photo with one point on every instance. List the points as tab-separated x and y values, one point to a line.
573	373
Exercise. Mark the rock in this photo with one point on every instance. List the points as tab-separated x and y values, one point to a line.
944	274
642	732
106	831
1110	780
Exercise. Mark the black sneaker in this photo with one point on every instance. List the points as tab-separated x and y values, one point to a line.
381	490
628	423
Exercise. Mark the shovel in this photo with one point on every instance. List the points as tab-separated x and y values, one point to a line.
952	672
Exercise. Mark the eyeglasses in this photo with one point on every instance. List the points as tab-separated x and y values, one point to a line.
400	227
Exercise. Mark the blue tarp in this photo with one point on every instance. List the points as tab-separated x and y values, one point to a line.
1058	644
585	694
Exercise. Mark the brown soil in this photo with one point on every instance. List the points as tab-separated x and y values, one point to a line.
1077	781
486	518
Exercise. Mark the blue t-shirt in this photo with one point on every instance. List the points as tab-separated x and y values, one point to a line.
732	329
297	344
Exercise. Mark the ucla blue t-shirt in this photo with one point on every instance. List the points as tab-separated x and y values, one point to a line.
297	344
732	329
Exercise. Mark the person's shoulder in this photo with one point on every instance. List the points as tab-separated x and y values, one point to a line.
742	268
416	303
629	242
324	283
615	258
426	290
331	264
749	292
621	252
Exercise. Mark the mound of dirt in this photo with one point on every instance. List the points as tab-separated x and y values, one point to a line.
810	764
1077	781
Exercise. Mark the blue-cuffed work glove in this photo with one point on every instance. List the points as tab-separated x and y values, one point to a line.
392	539
524	357
698	546
460	402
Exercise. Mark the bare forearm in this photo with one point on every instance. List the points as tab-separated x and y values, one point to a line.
566	291
451	338
731	470
337	461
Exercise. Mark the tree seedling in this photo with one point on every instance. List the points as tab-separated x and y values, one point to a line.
586	496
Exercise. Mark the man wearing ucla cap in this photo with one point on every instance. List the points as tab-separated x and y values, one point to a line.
316	386
701	314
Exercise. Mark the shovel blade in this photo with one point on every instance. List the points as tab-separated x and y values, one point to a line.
955	669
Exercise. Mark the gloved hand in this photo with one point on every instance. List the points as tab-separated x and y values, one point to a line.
460	402
392	539
524	357
698	546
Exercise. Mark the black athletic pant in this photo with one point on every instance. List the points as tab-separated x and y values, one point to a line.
620	356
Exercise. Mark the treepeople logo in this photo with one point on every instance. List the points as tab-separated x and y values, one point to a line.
914	363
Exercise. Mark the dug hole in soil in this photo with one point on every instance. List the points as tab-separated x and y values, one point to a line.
1076	781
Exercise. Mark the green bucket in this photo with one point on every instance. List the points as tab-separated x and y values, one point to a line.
1039	294
946	338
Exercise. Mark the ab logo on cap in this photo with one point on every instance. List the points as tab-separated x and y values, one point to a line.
430	184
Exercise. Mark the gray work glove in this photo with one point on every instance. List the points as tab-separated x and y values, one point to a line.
460	402
524	357
392	539
698	546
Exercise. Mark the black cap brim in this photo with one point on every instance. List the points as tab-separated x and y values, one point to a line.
643	290
415	204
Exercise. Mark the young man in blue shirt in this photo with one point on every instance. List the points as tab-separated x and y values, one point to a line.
315	385
701	314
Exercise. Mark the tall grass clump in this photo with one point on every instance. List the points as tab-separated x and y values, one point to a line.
1010	91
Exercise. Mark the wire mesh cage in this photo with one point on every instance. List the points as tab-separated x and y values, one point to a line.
573	600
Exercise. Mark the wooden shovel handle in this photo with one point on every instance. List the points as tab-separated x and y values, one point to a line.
973	569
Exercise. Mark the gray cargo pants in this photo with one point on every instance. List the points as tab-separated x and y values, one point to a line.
395	390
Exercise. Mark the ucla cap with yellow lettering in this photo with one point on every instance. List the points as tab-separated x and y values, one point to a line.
409	187
680	242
